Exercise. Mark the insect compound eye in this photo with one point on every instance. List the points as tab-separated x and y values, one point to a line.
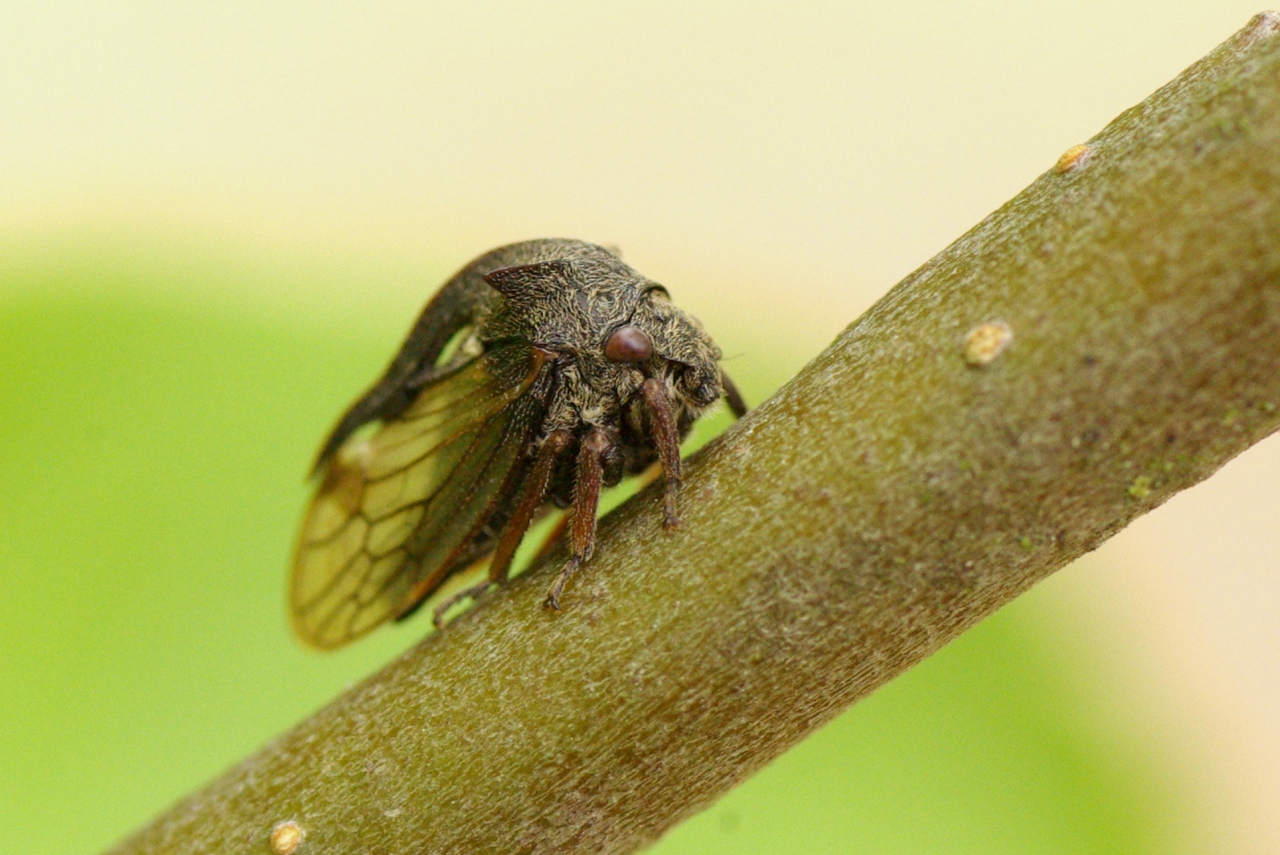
628	344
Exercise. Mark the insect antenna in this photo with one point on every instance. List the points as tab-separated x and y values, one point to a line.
737	405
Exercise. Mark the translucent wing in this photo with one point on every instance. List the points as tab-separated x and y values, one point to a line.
399	511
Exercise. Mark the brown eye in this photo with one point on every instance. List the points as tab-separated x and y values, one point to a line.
628	344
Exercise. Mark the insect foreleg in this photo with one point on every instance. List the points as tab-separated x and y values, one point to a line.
668	443
586	499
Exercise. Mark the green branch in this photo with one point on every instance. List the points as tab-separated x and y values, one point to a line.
910	481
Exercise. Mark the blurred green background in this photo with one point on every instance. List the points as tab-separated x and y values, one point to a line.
217	224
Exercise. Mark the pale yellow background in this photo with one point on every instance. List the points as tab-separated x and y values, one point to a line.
784	162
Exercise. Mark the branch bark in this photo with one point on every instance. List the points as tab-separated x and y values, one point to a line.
911	480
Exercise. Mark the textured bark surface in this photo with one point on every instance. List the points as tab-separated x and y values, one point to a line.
908	482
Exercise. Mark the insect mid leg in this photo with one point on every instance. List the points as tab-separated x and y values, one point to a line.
668	443
513	532
586	498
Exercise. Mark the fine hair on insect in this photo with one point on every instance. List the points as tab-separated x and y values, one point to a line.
541	373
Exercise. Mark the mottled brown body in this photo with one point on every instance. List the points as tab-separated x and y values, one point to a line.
542	372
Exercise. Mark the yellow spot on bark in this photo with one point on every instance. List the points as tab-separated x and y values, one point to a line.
286	837
1141	487
1073	158
987	341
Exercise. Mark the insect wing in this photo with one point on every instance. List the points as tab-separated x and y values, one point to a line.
399	511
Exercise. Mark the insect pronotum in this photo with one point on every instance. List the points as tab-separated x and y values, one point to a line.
540	373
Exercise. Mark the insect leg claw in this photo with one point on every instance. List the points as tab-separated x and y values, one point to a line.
553	595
